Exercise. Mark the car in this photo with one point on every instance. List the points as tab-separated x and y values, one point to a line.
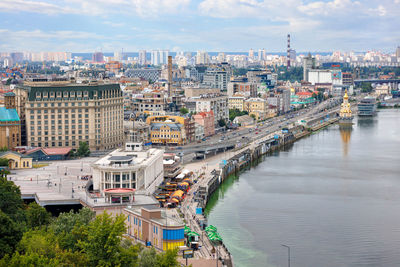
256	132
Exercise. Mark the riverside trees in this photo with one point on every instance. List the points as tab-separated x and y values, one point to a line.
30	237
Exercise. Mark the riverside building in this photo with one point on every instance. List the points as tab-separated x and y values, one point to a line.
162	229
133	167
63	114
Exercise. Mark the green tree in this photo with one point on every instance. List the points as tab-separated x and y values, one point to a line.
102	245
36	215
10	234
39	241
184	111
71	227
83	150
168	258
10	200
221	123
148	258
253	116
4	149
366	87
233	113
4	162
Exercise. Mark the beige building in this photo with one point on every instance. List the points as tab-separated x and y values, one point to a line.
258	107
64	114
236	102
17	160
198	91
152	103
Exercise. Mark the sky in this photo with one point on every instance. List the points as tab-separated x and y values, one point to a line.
191	25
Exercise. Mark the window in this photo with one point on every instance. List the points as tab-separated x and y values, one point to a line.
65	94
38	95
58	94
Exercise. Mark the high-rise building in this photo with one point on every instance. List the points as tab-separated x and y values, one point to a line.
221	57
398	52
63	114
216	78
202	58
261	54
97	57
308	64
142	57
170	76
251	53
159	57
118	56
17	57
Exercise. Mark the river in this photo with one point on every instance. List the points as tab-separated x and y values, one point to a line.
333	197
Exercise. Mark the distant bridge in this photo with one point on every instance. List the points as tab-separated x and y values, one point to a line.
391	81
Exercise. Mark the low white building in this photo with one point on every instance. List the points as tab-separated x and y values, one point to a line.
132	167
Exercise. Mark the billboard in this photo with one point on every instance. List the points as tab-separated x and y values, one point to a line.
336	75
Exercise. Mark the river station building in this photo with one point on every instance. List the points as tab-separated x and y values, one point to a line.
133	167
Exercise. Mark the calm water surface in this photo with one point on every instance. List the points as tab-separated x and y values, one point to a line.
333	197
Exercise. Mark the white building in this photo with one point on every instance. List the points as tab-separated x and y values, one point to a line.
319	76
202	58
159	57
130	168
142	57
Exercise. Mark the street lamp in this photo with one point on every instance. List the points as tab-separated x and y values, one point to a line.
288	253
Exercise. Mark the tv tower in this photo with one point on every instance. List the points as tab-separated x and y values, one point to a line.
288	52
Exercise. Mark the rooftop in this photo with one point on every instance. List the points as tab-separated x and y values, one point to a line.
7	115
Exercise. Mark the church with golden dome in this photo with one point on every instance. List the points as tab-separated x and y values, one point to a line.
345	114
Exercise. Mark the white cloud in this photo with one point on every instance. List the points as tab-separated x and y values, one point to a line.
144	8
33	6
114	24
382	11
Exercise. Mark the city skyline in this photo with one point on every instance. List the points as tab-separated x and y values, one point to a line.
184	25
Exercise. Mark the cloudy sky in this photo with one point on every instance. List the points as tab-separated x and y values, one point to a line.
190	25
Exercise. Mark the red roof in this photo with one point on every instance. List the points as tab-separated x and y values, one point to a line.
57	150
304	94
33	150
119	190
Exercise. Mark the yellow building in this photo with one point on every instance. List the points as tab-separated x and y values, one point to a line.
258	107
167	130
236	102
17	160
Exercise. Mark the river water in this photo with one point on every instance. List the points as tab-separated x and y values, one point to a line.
333	197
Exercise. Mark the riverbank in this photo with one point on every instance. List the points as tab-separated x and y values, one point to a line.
213	171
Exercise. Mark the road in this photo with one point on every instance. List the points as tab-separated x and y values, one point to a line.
246	135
